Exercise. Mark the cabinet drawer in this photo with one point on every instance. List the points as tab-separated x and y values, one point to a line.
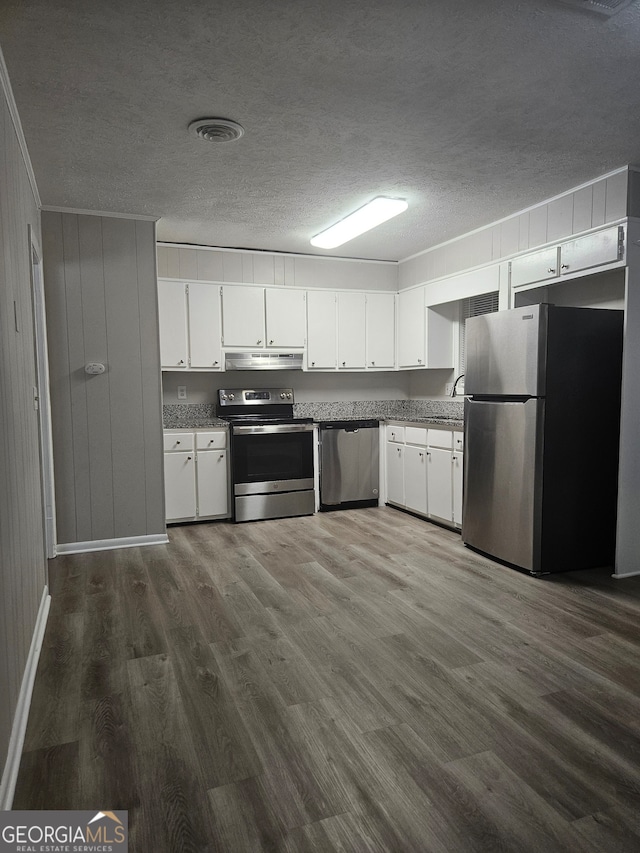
415	435
440	438
178	441
395	433
458	441
211	440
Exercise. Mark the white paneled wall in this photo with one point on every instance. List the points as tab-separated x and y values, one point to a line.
227	265
22	560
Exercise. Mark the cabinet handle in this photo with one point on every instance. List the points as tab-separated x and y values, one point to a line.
221	456
188	459
270	342
419	361
258	342
343	363
420	455
177	442
564	266
454	458
313	364
373	363
215	362
181	361
550	269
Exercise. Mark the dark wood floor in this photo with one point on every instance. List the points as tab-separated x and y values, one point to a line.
355	681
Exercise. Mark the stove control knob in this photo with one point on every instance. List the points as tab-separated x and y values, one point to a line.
288	396
282	396
232	396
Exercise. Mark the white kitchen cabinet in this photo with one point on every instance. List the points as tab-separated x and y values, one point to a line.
439	483
592	250
457	460
243	316
322	339
205	349
196	474
351	331
212	482
535	266
285	317
415	478
180	485
189	318
380	331
172	315
395	473
411	328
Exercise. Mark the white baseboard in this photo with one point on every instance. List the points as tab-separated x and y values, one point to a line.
626	575
19	728
112	544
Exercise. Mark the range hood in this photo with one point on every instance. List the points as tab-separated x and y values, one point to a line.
263	361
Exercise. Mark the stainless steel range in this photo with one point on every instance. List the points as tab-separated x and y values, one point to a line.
271	454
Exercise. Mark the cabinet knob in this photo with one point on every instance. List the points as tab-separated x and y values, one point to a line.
550	269
564	266
177	442
454	458
221	456
270	342
373	363
313	364
344	363
181	361
258	342
419	361
215	362
188	459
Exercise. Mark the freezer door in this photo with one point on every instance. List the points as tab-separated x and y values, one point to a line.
349	465
503	480
506	352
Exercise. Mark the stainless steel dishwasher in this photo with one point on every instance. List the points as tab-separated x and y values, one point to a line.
349	464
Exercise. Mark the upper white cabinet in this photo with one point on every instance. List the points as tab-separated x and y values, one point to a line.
380	331
411	328
189	314
285	316
172	312
351	331
321	330
204	326
263	317
243	316
439	325
593	250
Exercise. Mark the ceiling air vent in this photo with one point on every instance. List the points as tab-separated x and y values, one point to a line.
600	7
216	129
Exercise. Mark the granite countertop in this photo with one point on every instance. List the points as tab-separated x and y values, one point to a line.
451	423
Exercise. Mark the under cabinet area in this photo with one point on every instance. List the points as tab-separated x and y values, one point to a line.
196	474
424	468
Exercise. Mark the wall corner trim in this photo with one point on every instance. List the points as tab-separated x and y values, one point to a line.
17	124
19	728
112	544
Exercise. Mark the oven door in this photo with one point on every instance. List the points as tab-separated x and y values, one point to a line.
272	458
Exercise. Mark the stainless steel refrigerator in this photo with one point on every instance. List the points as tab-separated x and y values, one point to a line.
541	424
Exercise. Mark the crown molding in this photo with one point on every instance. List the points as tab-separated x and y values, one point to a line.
15	117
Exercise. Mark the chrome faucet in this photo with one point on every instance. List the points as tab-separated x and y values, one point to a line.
455	384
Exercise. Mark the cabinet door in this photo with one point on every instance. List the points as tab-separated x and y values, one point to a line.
285	311
381	330
411	331
457	463
212	483
321	330
439	484
395	473
180	485
603	247
172	313
204	326
351	331
536	266
415	479
242	316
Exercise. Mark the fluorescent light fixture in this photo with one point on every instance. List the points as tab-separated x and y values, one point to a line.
374	213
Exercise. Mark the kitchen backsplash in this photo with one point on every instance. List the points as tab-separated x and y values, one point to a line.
187	415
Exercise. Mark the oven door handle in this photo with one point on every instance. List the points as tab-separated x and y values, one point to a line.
262	429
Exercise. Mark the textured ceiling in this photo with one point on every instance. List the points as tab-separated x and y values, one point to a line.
469	109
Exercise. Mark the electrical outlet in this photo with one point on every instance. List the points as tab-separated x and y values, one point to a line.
448	389
182	392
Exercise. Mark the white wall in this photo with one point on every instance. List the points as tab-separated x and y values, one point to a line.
308	387
602	290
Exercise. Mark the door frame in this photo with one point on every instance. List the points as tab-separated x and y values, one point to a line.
42	397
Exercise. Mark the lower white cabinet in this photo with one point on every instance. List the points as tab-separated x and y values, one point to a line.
424	471
196	475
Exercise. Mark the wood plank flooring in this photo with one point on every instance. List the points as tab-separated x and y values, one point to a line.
352	681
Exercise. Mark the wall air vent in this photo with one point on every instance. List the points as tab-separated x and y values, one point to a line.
600	7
